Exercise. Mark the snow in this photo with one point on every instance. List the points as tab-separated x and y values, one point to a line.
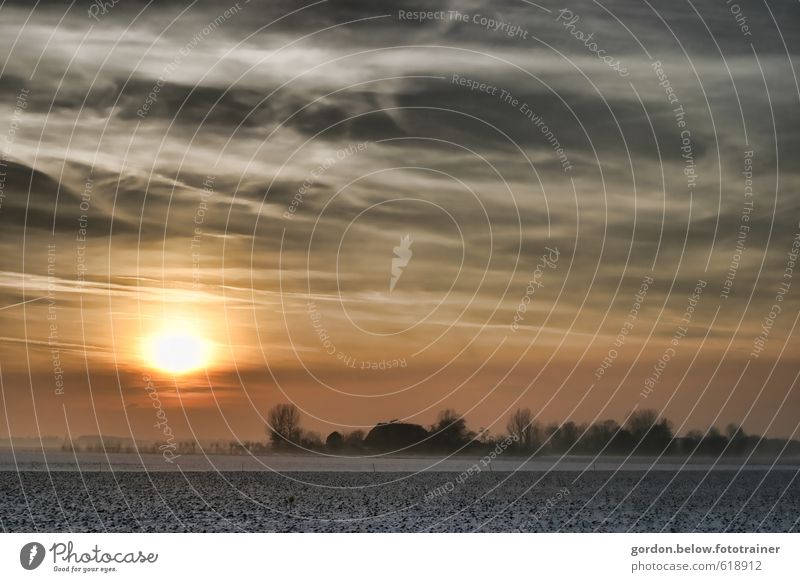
385	501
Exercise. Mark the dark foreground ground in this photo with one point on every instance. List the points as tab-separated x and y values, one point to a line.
393	502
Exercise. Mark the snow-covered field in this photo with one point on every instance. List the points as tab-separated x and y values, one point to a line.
62	461
601	500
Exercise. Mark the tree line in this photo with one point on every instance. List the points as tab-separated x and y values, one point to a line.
643	432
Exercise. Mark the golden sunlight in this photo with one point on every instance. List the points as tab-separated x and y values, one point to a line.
177	351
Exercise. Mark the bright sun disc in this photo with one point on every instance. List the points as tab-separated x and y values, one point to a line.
177	352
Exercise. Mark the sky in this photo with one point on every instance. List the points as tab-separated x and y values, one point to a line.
582	209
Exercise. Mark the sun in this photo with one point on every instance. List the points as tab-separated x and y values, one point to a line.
176	351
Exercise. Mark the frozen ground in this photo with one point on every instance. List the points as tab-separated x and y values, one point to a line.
642	501
55	460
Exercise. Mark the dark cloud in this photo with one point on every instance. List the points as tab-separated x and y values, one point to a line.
33	199
246	115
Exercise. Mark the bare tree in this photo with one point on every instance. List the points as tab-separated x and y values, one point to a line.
641	422
450	430
648	432
283	425
311	440
521	424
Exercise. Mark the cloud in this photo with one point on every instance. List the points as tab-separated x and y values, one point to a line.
265	104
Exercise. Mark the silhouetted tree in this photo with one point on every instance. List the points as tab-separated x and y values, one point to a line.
563	437
599	436
606	436
450	431
649	434
640	422
713	442
521	424
311	440
283	425
739	442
